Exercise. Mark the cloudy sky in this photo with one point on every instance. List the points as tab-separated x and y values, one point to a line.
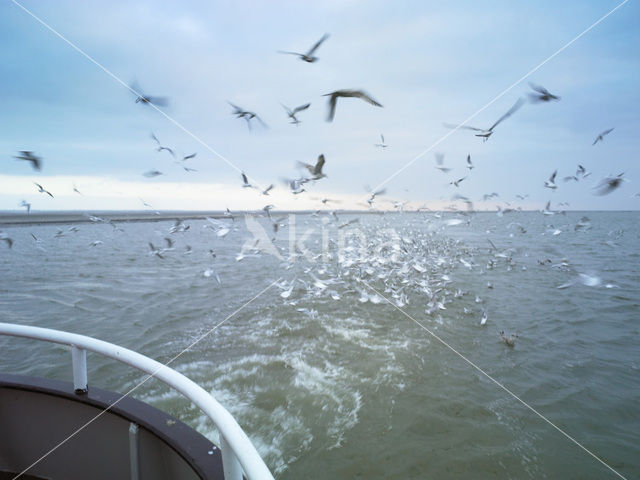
425	62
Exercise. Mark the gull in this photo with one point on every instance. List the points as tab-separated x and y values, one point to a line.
189	157
152	173
439	161
159	148
457	182
600	137
315	170
582	172
489	196
42	190
28	156
382	145
295	185
6	239
228	214
542	95
571	177
522	197
179	226
374	195
469	164
147	99
308	57
75	189
550	183
267	209
547	209
245	182
155	251
26	205
509	341
95	243
483	320
346	93
188	169
486	133
267	190
247	115
609	184
292	113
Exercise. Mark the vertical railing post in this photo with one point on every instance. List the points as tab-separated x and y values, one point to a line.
230	465
79	361
134	461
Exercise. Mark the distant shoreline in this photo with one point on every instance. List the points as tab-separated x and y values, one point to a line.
8	218
62	217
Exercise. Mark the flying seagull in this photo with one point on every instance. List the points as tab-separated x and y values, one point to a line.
308	57
26	205
42	190
541	95
456	183
439	160
30	157
247	115
159	148
152	173
382	145
147	99
346	93
373	196
609	184
315	170
267	190
485	134
551	182
600	137
469	164
292	113
245	181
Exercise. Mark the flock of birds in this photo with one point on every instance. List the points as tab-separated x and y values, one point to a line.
420	264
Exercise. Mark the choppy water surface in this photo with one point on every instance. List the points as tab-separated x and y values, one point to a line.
327	377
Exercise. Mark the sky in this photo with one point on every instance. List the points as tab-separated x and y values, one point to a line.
427	63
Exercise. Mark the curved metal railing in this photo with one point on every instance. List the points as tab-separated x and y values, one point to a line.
238	453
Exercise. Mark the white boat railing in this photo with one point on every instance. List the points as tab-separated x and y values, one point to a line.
238	453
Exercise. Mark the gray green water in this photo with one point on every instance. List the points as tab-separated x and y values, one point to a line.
332	381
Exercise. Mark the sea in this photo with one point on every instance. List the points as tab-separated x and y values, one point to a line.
359	345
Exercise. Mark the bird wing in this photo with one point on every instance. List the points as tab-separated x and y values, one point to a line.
244	179
332	106
319	164
159	101
466	127
365	97
317	44
237	109
552	178
301	107
308	166
539	89
290	53
606	132
511	111
382	137
188	157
